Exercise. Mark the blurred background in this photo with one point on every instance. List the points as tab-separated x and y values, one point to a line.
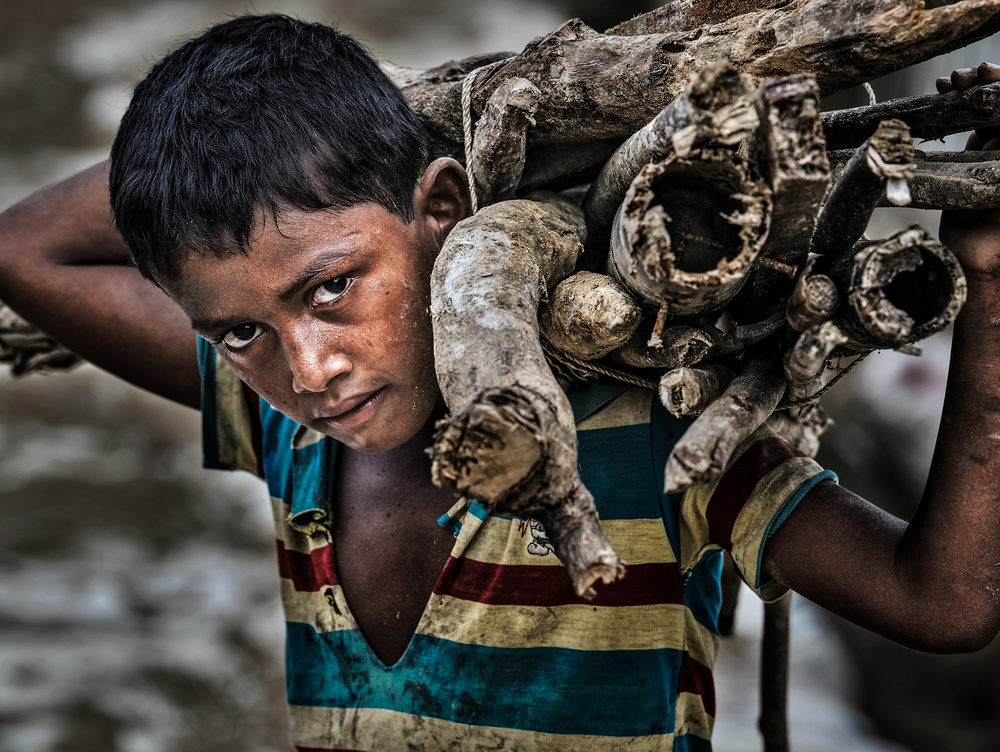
138	597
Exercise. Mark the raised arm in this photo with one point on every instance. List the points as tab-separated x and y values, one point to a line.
66	270
934	583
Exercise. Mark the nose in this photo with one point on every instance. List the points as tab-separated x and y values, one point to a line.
314	359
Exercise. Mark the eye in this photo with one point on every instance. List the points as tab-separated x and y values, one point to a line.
240	336
331	290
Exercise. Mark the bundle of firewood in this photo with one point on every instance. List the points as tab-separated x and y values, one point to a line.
667	204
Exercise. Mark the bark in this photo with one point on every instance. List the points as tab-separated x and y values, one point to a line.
688	391
884	158
896	291
29	350
497	158
716	106
684	15
791	152
814	299
689	230
589	315
510	440
681	345
801	427
806	360
930	117
705	448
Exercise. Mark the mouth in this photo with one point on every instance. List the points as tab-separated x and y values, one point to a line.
354	410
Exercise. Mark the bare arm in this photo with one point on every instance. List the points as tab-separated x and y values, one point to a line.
934	583
65	269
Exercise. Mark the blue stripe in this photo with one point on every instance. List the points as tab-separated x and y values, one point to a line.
276	446
703	591
664	432
615	468
532	689
691	743
591	397
209	408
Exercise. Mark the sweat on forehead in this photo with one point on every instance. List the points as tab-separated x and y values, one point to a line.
258	114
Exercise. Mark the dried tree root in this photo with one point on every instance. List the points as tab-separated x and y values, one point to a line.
791	152
588	315
716	106
510	441
896	291
689	230
814	299
930	117
806	360
497	159
801	427
886	157
680	345
705	448
688	391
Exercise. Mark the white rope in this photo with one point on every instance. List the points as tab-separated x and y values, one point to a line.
467	127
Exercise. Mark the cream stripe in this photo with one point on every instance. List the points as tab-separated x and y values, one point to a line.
765	503
628	409
505	541
326	611
690	716
377	730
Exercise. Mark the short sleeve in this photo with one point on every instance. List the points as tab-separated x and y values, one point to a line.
227	420
743	507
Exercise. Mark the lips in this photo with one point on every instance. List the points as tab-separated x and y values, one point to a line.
344	409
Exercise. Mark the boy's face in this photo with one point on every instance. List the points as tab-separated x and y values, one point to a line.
327	318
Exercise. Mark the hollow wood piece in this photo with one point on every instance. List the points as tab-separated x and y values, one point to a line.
806	360
689	230
791	152
588	315
886	156
949	180
607	86
680	345
896	291
510	439
930	116
774	675
688	391
497	158
716	106
706	447
814	299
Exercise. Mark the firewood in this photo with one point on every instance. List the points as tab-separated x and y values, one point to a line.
806	360
814	299
510	441
497	158
705	448
885	158
689	230
688	391
588	315
679	346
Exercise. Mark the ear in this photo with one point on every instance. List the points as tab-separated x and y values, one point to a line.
442	196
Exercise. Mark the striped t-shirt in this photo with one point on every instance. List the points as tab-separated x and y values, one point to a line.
506	656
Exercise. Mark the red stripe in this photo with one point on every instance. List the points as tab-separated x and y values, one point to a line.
308	572
738	483
536	585
697	679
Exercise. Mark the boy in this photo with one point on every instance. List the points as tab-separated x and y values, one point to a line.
279	193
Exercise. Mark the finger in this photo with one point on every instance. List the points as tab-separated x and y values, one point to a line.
944	84
963	78
988	73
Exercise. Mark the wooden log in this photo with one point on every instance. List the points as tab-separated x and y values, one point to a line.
814	299
588	315
689	230
896	291
510	440
680	345
948	180
801	427
688	391
607	86
497	159
685	15
706	447
791	153
716	106
930	116
29	350
774	675
885	157
805	362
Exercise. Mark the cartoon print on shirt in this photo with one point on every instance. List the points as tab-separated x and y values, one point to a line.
539	545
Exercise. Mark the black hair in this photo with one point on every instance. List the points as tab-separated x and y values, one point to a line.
258	115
